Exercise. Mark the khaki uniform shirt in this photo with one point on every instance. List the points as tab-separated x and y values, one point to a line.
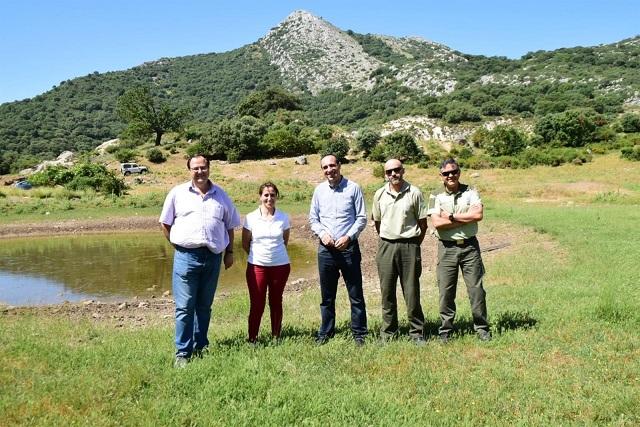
456	203
398	213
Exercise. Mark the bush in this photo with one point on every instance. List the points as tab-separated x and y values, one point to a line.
154	155
504	141
112	148
195	149
631	153
366	140
630	123
53	175
80	177
573	128
338	146
401	146
378	170
125	155
462	112
97	177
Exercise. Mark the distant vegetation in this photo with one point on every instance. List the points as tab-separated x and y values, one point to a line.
240	108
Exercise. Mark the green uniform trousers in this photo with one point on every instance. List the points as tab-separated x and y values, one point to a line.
400	259
465	257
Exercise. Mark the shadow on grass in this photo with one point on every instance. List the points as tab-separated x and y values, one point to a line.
502	322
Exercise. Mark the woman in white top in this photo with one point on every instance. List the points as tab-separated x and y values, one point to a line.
265	236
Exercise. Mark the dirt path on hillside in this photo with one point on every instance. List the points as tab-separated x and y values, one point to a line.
159	309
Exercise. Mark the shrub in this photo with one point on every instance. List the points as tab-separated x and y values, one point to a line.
630	122
154	155
504	141
195	149
462	112
112	148
53	175
436	110
401	146
378	170
125	155
338	146
631	153
573	128
366	140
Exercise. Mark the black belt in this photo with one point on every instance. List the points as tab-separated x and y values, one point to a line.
409	240
459	242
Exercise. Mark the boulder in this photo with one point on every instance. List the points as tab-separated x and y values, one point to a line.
301	160
101	149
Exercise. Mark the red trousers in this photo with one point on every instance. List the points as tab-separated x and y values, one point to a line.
259	279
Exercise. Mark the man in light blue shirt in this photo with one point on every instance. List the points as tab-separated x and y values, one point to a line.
198	219
337	216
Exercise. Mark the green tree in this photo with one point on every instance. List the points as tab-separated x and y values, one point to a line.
234	139
366	140
573	128
505	141
268	100
147	116
401	146
630	122
338	146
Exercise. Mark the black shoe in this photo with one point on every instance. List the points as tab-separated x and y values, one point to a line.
200	352
484	335
419	341
359	341
322	340
444	337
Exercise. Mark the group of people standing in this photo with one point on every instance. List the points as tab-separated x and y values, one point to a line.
198	218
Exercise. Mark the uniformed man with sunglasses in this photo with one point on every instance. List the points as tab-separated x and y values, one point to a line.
400	216
455	216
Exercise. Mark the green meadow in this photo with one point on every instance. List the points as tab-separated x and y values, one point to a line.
564	303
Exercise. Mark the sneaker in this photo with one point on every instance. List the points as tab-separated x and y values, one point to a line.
322	340
419	341
359	341
444	337
484	335
180	362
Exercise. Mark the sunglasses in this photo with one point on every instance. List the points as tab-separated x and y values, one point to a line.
396	170
453	172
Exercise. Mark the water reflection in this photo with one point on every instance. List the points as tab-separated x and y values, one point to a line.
55	269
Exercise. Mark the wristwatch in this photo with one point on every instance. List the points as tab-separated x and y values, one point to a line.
451	218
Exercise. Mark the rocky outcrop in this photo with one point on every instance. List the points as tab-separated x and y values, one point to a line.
315	55
64	159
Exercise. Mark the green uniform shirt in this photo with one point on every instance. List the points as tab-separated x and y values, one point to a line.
398	213
456	203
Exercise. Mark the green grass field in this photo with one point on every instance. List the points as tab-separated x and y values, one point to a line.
563	302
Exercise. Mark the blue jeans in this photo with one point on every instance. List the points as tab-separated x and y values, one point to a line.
332	262
195	279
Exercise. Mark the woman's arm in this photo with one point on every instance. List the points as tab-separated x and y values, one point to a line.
285	236
246	239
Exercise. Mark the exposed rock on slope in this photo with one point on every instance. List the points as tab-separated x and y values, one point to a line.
316	55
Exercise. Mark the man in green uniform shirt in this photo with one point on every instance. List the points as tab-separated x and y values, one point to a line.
455	216
400	216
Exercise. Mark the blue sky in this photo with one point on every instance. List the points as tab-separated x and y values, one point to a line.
43	42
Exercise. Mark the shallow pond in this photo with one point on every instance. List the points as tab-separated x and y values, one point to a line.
51	270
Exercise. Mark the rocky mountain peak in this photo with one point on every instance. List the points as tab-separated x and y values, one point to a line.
313	54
